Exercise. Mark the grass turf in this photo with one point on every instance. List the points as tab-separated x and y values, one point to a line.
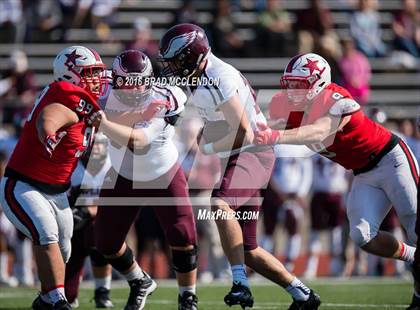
335	294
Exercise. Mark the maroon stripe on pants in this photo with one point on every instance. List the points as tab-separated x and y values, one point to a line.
18	210
411	161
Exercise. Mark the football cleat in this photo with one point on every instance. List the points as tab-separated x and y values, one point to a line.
62	305
102	299
188	301
39	304
312	303
139	290
239	295
415	303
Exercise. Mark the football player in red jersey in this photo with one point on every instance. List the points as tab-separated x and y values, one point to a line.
311	110
38	174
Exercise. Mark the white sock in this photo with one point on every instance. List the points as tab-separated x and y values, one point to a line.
407	253
4	259
57	294
103	282
190	289
298	290
134	274
239	274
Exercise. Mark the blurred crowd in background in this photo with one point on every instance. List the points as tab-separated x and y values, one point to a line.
303	217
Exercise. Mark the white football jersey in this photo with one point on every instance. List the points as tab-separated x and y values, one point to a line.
329	177
228	82
160	154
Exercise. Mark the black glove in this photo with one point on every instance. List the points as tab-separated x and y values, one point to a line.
81	217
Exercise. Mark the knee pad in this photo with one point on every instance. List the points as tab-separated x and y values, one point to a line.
184	261
181	233
123	262
98	260
362	234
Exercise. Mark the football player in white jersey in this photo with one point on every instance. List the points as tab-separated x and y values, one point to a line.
86	183
226	103
145	167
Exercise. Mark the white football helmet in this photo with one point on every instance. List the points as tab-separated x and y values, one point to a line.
307	75
76	64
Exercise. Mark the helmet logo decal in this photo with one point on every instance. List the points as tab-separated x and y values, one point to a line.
178	43
312	65
292	62
71	59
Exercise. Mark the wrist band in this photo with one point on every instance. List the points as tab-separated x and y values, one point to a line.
208	149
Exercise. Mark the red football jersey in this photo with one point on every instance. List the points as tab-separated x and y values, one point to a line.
355	145
31	159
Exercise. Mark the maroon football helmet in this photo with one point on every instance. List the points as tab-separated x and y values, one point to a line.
182	49
132	74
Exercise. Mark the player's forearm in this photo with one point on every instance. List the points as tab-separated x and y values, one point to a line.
123	135
303	135
234	140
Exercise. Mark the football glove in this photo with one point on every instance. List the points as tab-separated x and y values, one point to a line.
81	217
265	135
51	141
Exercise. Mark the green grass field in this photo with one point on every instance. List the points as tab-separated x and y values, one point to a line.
348	294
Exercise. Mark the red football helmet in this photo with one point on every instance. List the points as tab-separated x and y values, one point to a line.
182	49
131	77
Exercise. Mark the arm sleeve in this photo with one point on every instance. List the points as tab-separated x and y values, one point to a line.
344	107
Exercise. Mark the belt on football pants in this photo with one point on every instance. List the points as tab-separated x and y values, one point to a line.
49	189
377	158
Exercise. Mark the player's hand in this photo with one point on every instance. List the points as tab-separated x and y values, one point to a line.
81	217
51	141
265	135
96	118
154	107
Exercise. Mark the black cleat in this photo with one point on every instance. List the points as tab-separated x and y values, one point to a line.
102	299
415	303
139	290
39	304
312	303
62	305
239	295
188	301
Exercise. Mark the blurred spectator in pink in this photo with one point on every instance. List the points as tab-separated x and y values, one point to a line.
406	26
11	23
186	13
227	42
274	29
18	90
366	30
313	23
142	40
356	71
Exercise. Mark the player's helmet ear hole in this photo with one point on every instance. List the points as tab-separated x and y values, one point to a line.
67	77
